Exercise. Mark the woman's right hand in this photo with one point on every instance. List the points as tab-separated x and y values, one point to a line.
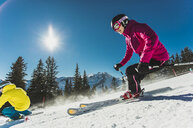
117	66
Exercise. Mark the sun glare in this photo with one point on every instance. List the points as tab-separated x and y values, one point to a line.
51	41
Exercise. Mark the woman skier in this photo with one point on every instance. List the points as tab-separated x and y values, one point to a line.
141	39
17	97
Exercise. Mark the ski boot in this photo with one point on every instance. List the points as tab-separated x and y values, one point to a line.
20	117
128	94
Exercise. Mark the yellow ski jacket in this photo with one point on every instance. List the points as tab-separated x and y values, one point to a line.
17	97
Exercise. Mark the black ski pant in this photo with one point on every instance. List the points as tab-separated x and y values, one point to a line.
134	78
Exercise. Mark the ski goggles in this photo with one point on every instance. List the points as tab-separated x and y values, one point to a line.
117	24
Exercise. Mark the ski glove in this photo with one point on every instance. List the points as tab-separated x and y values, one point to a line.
117	66
142	68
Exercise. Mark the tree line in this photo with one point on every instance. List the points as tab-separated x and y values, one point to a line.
185	56
44	86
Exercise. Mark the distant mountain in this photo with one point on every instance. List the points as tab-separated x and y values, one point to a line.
94	79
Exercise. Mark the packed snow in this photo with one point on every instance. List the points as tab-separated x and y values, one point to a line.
169	107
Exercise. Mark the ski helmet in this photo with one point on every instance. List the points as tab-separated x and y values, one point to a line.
118	20
4	83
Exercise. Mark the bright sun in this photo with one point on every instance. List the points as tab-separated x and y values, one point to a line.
51	41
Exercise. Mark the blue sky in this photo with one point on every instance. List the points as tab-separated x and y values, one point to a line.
83	28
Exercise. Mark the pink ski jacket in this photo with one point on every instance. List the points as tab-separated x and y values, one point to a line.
141	39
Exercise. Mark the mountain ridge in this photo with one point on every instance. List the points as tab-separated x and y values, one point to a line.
93	79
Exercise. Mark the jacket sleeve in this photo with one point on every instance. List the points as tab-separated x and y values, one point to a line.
128	55
151	40
3	100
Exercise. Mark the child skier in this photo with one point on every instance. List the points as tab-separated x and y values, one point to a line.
141	39
17	97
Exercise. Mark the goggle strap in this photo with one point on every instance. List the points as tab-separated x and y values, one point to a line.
123	18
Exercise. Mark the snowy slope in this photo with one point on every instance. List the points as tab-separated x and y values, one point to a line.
166	109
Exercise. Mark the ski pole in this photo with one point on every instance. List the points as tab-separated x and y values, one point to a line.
121	72
123	76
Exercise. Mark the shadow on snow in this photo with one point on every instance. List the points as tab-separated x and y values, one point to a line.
184	97
9	124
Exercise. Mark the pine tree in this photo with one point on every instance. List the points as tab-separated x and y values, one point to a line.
86	87
80	80
37	90
114	84
51	83
66	92
177	59
77	81
187	55
68	88
17	73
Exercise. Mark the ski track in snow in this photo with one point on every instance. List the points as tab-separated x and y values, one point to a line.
169	109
